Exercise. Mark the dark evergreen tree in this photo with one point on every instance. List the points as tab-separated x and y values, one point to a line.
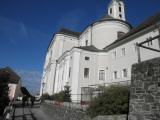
4	80
67	94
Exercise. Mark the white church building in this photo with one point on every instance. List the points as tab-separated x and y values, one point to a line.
102	54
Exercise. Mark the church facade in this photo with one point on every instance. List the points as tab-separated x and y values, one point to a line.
102	54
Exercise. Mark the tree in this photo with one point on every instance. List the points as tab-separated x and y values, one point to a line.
63	96
67	94
4	81
113	100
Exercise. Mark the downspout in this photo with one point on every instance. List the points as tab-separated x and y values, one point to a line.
159	34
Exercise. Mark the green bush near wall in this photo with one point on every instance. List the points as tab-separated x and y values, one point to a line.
63	96
113	100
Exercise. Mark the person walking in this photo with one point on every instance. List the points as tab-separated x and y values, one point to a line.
32	101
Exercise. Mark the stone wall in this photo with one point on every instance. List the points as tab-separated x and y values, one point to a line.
145	91
63	113
111	117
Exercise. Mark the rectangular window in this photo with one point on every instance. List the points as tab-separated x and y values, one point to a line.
120	15
115	75
86	42
86	72
102	75
110	10
150	42
87	58
69	72
123	51
124	73
120	9
114	55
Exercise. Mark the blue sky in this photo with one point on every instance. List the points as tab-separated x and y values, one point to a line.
27	26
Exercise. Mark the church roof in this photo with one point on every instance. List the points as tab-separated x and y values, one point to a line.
90	48
149	22
68	32
106	17
110	18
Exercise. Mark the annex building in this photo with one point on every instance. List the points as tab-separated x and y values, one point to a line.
102	54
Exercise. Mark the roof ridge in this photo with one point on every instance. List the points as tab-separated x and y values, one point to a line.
147	23
68	32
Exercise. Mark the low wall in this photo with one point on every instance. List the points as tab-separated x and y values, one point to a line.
63	113
111	117
145	91
68	104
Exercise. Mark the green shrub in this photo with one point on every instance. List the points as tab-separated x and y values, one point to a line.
67	94
59	96
45	97
63	96
113	100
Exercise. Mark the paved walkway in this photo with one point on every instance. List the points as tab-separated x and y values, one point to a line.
28	113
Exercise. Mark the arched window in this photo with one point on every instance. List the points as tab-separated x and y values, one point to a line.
120	9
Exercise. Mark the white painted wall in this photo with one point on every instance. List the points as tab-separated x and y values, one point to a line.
86	35
101	34
75	76
59	45
131	56
91	64
105	33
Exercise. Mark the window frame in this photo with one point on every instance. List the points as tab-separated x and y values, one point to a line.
120	15
115	75
120	9
69	72
102	75
87	58
86	43
123	51
86	72
114	55
125	73
110	10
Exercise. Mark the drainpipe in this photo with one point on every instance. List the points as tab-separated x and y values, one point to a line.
159	34
138	53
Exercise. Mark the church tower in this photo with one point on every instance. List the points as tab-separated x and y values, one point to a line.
116	9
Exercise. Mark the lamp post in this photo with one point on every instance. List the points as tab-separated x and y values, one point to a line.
43	84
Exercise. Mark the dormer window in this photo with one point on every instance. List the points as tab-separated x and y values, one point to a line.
120	34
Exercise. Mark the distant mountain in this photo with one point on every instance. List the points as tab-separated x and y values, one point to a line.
31	80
